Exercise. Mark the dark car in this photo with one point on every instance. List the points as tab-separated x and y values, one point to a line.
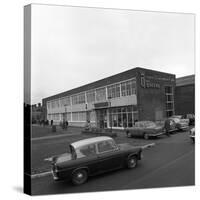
93	156
145	129
191	118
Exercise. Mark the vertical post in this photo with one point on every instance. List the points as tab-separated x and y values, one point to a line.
65	112
109	101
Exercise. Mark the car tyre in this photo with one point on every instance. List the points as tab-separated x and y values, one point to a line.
132	162
79	177
146	136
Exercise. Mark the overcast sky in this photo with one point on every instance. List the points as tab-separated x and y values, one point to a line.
73	46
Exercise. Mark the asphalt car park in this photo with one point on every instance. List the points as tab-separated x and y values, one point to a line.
163	165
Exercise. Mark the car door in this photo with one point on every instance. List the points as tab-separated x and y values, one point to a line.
139	129
135	130
87	156
109	156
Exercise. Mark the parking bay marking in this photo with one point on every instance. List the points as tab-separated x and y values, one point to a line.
39	175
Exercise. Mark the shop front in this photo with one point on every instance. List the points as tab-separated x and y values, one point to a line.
115	117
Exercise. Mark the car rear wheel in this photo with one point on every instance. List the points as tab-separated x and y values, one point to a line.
146	136
79	177
132	162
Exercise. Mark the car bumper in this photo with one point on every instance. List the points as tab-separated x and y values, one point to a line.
184	127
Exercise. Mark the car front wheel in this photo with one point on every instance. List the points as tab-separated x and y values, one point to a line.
132	162
79	177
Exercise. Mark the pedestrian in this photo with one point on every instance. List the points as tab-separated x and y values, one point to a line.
66	124
52	122
167	127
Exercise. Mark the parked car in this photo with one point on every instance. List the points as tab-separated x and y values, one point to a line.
144	129
182	117
192	134
93	156
180	124
172	126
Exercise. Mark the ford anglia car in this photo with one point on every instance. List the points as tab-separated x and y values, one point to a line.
144	129
93	156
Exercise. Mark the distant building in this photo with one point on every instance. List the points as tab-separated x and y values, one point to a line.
116	101
185	95
36	113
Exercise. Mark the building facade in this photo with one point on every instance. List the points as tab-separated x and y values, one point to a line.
36	113
185	95
116	101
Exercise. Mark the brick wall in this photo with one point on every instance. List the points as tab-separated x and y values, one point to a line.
185	99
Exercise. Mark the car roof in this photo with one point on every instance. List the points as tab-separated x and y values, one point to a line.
90	141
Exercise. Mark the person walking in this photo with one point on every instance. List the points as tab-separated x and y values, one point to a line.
66	124
167	127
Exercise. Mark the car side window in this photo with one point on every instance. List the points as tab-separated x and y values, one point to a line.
85	151
106	146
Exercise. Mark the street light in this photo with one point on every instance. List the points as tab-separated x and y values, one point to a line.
109	102
65	111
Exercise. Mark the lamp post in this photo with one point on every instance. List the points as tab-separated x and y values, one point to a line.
65	118
109	102
65	112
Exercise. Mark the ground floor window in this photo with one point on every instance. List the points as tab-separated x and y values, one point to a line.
123	116
79	116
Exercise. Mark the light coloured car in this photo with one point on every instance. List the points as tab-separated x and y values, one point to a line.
180	124
192	134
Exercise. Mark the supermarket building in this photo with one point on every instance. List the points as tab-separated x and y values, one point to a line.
116	101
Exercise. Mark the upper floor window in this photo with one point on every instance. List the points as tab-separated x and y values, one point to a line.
101	94
90	96
65	101
113	91
128	88
78	99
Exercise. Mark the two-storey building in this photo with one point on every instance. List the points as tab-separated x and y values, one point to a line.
116	101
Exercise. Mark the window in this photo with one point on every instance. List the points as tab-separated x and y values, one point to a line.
78	99
169	101
90	96
65	101
123	116
75	116
48	105
79	116
86	151
128	88
101	94
113	91
106	146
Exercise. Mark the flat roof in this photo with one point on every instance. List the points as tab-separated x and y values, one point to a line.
123	76
90	141
185	80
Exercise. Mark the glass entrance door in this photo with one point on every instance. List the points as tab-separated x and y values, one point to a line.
102	118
